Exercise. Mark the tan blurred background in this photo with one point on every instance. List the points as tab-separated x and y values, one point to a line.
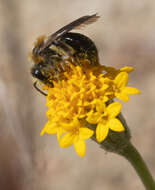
124	35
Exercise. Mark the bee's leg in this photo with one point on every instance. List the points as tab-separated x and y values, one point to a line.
35	86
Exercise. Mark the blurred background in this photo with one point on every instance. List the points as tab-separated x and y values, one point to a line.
124	35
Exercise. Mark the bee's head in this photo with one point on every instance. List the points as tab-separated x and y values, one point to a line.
40	72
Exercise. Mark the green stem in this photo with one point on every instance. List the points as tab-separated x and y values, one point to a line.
133	156
119	143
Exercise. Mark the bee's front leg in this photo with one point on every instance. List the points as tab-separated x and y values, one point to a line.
35	86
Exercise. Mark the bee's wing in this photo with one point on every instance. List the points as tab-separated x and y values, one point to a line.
77	24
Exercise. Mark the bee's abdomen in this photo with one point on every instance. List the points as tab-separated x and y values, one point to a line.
84	47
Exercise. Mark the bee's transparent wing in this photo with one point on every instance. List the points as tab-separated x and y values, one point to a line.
77	24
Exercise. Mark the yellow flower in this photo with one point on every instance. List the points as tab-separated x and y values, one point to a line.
105	118
120	89
77	135
81	98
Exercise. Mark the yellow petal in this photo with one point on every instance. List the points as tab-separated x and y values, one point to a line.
50	128
101	132
66	140
80	147
68	126
116	125
121	79
127	69
85	133
131	90
100	107
93	117
114	109
122	96
60	132
43	131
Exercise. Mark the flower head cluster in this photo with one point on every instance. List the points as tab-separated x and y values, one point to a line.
81	98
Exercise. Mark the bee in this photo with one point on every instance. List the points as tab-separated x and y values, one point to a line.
52	55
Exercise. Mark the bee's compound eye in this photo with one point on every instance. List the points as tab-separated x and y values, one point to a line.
37	74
